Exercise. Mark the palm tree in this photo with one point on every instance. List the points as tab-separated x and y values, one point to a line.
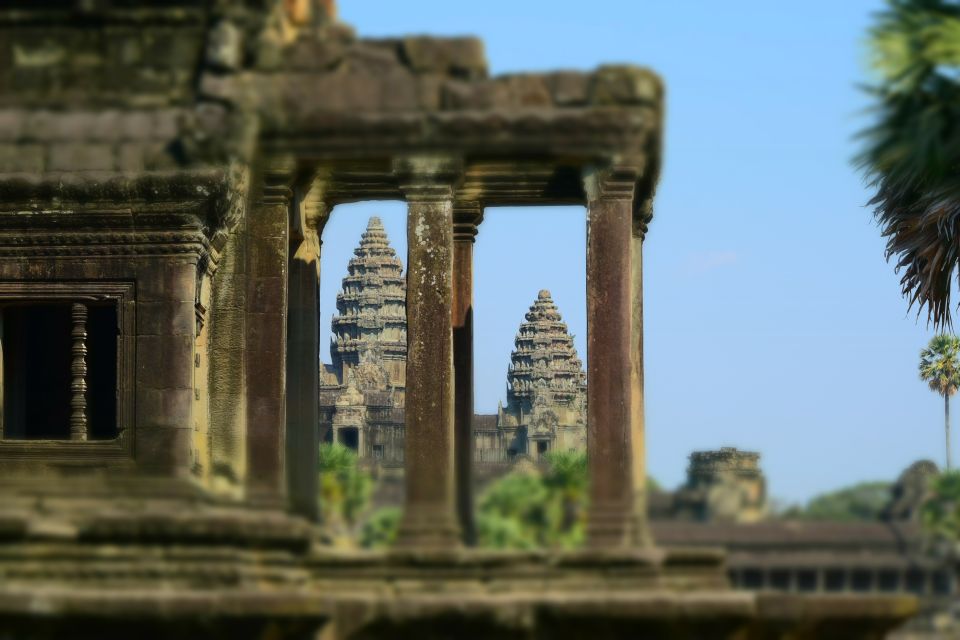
940	368
912	153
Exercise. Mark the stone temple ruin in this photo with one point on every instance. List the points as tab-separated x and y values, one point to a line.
166	170
363	390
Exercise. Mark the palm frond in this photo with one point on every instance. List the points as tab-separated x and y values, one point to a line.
911	154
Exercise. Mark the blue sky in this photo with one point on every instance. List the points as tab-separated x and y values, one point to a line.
773	322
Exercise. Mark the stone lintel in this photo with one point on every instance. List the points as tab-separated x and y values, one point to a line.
428	178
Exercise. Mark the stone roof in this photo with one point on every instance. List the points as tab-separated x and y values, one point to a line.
216	82
789	534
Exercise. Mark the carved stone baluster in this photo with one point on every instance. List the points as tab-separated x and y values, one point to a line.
78	372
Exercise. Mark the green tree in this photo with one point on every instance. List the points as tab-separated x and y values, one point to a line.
345	489
940	369
941	511
566	479
380	530
860	502
912	152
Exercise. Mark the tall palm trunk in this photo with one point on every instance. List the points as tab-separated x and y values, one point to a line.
946	425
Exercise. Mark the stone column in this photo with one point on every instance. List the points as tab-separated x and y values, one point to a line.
307	217
429	518
614	362
466	217
266	338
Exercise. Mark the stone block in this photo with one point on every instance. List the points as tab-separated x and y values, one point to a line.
458	94
164	408
568	88
40	126
177	317
26	158
625	85
371	57
267	252
458	57
137	125
72	126
165	361
130	156
12	122
158	156
164	449
308	54
265	294
72	156
429	91
166	123
106	126
265	334
167	281
527	90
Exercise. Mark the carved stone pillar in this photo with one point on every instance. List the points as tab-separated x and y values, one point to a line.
466	217
614	363
266	338
307	218
429	518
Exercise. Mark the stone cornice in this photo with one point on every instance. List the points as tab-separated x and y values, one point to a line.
104	244
467	216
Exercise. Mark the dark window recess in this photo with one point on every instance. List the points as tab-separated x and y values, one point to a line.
916	582
889	581
780	580
942	584
350	437
378	451
37	355
752	579
834	580
806	581
861	580
542	448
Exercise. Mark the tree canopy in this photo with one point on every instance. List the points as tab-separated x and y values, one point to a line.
860	502
911	154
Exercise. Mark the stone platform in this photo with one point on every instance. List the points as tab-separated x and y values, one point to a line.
167	570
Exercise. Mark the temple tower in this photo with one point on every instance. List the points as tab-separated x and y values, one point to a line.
370	327
546	386
362	391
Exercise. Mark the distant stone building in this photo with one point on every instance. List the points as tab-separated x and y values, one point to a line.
362	391
546	393
725	485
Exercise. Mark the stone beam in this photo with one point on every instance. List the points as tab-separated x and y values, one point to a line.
429	518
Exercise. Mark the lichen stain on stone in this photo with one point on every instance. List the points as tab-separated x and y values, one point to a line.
47	55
